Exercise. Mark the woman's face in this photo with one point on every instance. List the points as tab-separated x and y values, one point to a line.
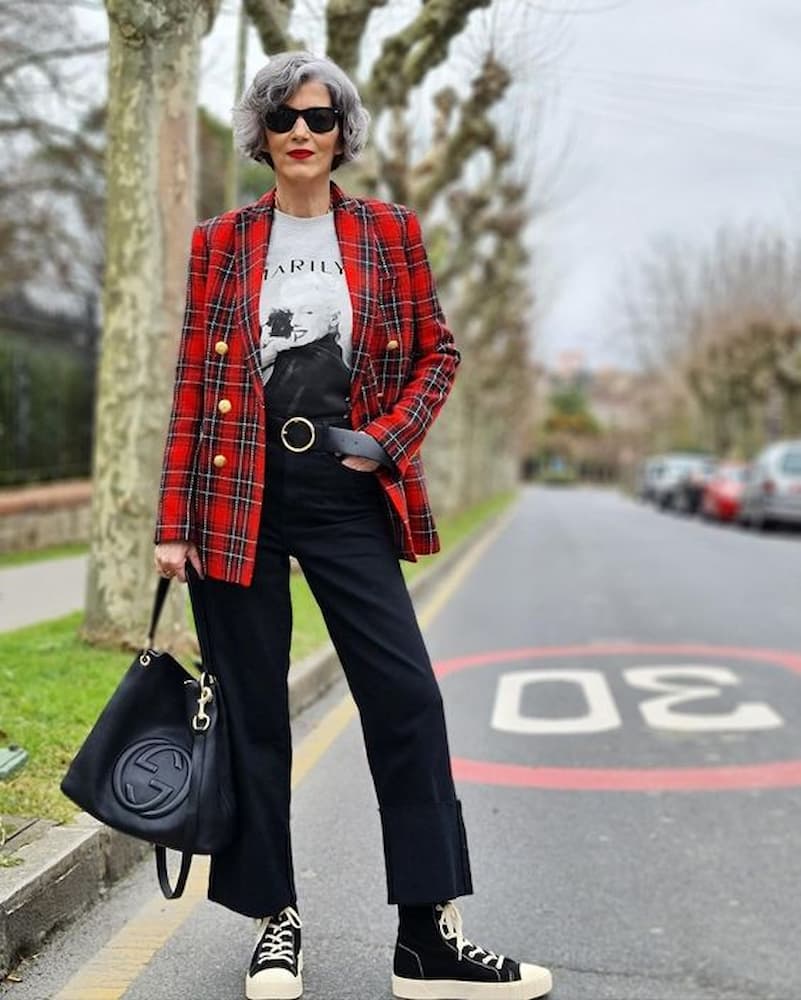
320	147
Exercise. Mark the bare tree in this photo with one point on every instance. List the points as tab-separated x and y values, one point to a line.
51	155
727	322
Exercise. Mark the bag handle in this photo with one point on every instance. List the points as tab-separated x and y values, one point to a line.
163	875
158	603
196	770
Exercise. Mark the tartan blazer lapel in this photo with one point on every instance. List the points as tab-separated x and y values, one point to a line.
357	246
253	225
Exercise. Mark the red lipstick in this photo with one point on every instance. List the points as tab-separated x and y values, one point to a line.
300	154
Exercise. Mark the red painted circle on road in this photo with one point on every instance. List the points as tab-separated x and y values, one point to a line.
774	774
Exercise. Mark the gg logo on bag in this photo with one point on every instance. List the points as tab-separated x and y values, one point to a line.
152	777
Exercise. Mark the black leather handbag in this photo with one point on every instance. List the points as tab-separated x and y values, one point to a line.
156	764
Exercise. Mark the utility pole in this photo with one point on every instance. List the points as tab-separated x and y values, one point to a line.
232	186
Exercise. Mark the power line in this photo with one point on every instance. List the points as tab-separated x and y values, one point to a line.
610	110
710	102
691	85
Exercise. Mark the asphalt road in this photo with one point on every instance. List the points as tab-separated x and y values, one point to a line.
624	716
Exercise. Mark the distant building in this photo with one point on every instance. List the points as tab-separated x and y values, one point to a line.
570	363
618	398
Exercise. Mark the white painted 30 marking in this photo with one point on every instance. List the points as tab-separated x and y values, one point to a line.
659	713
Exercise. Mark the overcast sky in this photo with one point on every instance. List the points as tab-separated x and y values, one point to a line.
686	115
683	114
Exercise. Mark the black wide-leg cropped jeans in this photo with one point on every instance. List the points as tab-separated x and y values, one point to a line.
334	521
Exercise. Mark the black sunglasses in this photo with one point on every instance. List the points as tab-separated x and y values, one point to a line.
318	119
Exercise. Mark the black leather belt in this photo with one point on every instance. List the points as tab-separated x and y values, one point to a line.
300	434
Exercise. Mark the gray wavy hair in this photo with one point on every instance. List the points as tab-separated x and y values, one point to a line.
274	85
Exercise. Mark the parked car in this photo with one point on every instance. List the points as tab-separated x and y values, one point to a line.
722	494
671	471
690	488
772	493
646	476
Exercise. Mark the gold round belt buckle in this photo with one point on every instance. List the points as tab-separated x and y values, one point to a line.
312	434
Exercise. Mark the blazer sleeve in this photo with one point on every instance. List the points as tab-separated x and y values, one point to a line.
173	518
401	431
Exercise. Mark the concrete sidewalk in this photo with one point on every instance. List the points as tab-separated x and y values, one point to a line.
38	591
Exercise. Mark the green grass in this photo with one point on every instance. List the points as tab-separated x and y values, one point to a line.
37	555
308	628
53	685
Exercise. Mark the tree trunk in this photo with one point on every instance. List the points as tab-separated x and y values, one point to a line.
233	191
152	108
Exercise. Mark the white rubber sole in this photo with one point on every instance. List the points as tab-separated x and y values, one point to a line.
536	982
263	988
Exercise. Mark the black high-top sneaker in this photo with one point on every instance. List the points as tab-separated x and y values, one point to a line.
277	963
435	961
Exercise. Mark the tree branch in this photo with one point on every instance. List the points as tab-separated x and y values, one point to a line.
407	56
474	131
36	126
38	58
346	21
271	20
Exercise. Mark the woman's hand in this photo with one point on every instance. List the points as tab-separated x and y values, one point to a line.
360	464
170	559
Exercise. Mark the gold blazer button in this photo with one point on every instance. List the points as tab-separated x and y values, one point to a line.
392	345
220	460
221	347
224	406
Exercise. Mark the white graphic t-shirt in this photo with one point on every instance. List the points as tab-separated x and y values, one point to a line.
305	317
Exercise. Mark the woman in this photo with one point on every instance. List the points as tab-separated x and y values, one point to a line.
310	446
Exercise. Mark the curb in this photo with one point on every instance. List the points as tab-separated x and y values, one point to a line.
72	865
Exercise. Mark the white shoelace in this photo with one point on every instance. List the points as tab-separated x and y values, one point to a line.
450	924
277	938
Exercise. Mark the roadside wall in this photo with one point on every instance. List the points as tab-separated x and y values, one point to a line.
36	517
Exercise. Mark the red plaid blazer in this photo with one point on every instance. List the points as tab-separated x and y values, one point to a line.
403	365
